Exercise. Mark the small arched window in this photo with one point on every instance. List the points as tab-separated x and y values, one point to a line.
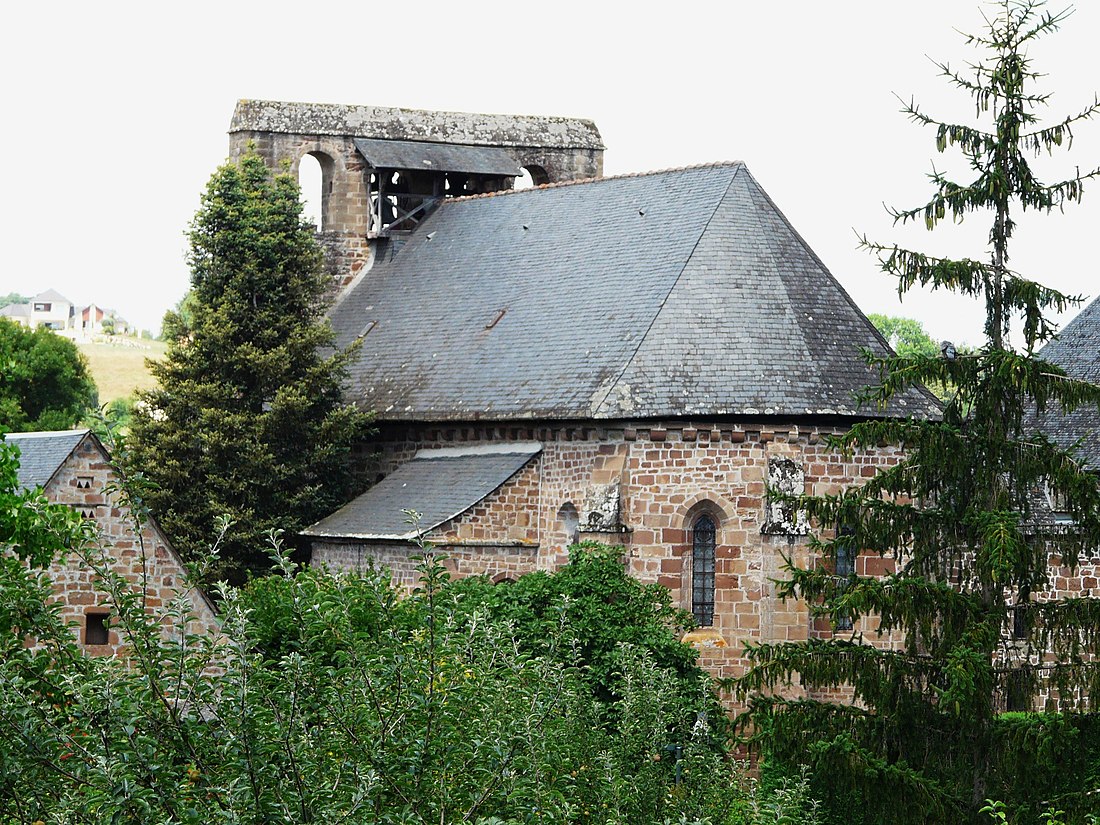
703	540
569	522
315	180
531	176
311	182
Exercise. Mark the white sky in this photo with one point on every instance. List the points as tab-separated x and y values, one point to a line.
117	115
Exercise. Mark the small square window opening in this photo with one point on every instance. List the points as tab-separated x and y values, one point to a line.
95	629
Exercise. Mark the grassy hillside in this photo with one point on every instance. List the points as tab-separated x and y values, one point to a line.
119	368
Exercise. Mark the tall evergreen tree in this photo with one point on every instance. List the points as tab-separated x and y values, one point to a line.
926	739
247	420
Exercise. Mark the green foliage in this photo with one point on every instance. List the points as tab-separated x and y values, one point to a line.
603	608
247	420
44	381
329	699
924	740
112	421
908	339
906	335
13	298
176	324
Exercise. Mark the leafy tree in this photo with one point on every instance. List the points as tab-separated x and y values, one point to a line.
13	298
44	380
603	606
906	335
247	420
371	709
176	323
958	518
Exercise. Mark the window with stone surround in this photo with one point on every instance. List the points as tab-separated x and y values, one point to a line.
569	522
704	538
845	567
95	629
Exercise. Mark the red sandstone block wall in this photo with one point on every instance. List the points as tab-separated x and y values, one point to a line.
668	474
143	557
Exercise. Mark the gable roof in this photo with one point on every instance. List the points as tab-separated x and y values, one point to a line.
1077	351
42	454
439	484
51	295
683	292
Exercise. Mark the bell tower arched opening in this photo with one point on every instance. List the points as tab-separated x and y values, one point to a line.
315	177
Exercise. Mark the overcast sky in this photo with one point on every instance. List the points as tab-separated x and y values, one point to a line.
117	115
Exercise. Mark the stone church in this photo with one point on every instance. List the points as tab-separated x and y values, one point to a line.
628	359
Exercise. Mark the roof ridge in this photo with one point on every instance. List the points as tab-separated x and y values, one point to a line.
676	282
1065	335
844	294
598	179
47	433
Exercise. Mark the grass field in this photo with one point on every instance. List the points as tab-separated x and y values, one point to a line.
119	368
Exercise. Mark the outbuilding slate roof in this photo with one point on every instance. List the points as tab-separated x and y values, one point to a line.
1077	351
439	484
676	293
42	454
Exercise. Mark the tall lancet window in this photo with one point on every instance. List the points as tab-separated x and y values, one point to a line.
703	538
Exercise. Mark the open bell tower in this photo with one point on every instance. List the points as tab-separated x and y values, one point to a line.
383	170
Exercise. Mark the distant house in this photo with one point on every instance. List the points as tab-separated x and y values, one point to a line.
73	468
96	320
19	313
52	310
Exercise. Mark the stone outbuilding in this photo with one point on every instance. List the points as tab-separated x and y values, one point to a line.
73	468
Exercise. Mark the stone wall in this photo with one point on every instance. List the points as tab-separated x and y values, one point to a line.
664	476
144	558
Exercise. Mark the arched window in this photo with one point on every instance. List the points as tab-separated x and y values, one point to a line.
531	176
311	182
568	522
315	175
845	568
703	540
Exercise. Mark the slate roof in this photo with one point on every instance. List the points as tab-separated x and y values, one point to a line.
676	293
439	484
42	454
1077	351
438	157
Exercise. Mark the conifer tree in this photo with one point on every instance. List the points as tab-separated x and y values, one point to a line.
247	420
960	520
